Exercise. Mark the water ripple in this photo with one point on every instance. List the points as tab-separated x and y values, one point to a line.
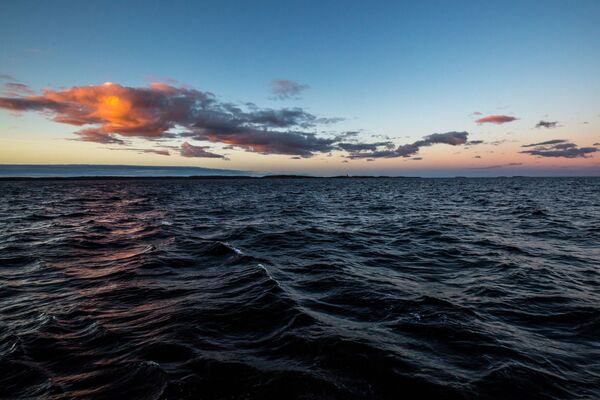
349	289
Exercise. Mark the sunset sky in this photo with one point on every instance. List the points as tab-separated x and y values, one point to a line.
432	88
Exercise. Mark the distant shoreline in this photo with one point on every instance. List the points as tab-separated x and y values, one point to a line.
78	172
196	177
259	178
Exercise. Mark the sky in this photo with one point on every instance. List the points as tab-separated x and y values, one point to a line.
430	88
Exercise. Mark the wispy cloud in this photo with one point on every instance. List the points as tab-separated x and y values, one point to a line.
546	143
286	89
188	150
93	135
495	119
514	164
17	89
162	152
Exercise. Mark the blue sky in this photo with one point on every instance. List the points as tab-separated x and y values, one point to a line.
392	69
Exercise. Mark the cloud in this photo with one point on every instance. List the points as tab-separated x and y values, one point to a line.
548	142
354	147
6	77
152	112
188	150
474	142
495	119
162	152
110	113
270	142
558	148
17	89
296	158
546	124
348	134
93	135
408	150
514	164
285	89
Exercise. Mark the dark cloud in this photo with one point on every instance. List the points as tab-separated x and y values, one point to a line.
6	77
546	124
286	89
558	148
474	142
296	158
188	150
477	157
408	150
354	147
548	142
270	142
495	119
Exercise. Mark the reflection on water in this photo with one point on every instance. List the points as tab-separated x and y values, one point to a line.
476	288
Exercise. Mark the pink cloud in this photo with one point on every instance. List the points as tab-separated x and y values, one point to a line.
496	119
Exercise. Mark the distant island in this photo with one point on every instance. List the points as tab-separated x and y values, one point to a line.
120	171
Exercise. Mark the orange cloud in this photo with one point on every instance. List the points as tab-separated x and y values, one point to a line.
112	109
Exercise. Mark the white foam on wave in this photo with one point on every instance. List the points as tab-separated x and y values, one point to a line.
227	244
269	274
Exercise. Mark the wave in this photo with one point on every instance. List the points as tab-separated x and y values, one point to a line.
282	289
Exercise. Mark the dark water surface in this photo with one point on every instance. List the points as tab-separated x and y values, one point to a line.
342	289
